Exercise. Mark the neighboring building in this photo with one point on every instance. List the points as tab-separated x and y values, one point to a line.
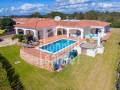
50	30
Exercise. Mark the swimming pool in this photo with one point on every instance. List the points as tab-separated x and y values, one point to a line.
57	45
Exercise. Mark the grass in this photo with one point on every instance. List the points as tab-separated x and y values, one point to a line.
4	83
2	31
85	73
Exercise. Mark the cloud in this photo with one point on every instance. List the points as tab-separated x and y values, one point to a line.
108	6
1	10
77	1
87	5
67	6
72	1
72	5
24	8
105	5
29	6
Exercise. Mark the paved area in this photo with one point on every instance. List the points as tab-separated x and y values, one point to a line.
7	41
44	55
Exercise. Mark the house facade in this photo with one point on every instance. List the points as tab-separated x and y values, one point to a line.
49	32
44	28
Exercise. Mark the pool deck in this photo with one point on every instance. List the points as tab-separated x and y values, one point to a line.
43	59
50	56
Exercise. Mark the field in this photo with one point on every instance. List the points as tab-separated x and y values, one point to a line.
85	73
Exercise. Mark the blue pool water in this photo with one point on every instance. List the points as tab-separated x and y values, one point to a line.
57	45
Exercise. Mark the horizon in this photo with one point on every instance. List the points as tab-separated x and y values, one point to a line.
27	7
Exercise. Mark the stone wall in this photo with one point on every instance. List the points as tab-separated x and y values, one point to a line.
36	61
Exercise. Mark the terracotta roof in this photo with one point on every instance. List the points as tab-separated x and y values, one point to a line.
46	22
82	23
35	22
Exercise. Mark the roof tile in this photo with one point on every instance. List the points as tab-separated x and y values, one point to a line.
46	22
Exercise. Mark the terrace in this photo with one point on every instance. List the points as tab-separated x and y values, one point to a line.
29	53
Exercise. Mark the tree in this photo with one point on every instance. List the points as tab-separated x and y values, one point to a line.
77	16
0	22
116	23
7	24
53	14
91	15
112	17
36	14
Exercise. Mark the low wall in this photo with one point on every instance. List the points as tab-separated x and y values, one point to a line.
7	41
100	50
36	61
92	52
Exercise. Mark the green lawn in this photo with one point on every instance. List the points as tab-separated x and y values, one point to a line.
2	31
4	84
85	73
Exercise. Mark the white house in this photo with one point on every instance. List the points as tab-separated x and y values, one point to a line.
44	28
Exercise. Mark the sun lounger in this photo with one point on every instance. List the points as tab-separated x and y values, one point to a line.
27	46
35	43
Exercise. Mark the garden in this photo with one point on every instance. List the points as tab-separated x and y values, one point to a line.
85	73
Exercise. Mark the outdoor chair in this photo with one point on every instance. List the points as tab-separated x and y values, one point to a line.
34	43
27	46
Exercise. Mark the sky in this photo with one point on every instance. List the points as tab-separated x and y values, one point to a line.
24	7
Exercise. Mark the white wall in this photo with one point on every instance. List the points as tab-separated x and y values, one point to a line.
92	52
71	28
43	31
100	50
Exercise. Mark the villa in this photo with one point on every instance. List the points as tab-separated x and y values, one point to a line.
61	40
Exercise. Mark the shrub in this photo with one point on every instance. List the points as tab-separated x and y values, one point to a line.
24	41
14	37
2	31
13	77
21	38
